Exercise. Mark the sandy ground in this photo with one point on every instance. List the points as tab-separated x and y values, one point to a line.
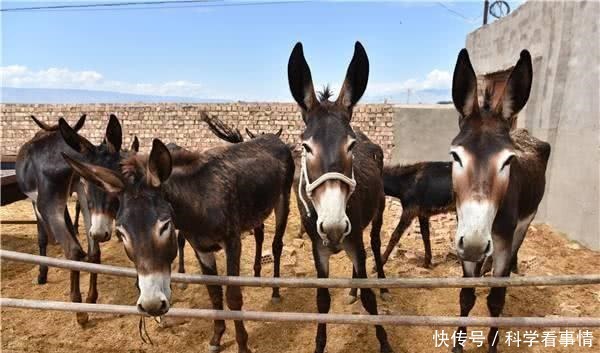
544	252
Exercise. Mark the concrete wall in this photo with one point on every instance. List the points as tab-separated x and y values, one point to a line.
423	132
564	107
181	123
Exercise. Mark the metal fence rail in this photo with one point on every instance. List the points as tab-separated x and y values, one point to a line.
443	282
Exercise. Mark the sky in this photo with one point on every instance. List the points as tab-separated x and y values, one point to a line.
238	51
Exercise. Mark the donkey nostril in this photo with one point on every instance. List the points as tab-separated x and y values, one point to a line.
141	308
461	243
163	304
321	228
487	248
347	227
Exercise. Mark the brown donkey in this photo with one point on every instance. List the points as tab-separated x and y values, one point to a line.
211	197
48	181
341	188
498	177
231	135
424	189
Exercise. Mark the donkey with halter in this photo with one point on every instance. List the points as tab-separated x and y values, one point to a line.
211	197
48	181
424	189
341	188
498	177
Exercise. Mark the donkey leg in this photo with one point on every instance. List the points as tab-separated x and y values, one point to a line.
93	257
208	265
467	301
424	225
495	300
53	211
42	244
282	211
235	301
355	249
259	237
353	292
405	221
180	252
376	248
76	222
321	259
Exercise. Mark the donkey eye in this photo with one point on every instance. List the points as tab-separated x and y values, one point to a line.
351	147
507	162
307	148
456	158
165	227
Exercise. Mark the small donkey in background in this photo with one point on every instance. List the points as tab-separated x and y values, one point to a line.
424	189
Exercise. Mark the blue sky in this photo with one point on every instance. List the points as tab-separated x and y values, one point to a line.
236	52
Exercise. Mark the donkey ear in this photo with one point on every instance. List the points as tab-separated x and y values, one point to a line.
114	134
42	125
104	178
357	76
300	79
250	134
73	139
517	90
278	133
464	86
79	123
135	145
159	164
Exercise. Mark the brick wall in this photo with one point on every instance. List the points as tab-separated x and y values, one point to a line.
181	123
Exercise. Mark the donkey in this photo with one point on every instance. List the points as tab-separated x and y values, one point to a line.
498	179
44	176
233	135
135	147
424	189
341	187
211	197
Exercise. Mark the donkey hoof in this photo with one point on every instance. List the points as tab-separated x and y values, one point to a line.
213	349
82	318
350	299
275	300
387	349
182	286
40	280
386	297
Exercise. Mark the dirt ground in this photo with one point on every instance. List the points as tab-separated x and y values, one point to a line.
544	252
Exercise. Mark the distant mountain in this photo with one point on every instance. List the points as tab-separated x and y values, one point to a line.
74	96
426	96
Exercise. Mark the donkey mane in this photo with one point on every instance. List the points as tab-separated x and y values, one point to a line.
325	94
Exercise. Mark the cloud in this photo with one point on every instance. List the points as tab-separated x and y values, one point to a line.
22	77
436	79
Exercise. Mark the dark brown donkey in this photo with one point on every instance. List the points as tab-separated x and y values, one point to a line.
211	197
233	135
424	189
498	177
48	181
340	181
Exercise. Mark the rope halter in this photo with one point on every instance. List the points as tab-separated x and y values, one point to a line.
310	187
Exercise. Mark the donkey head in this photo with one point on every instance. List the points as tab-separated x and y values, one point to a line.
102	206
143	220
483	152
328	140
